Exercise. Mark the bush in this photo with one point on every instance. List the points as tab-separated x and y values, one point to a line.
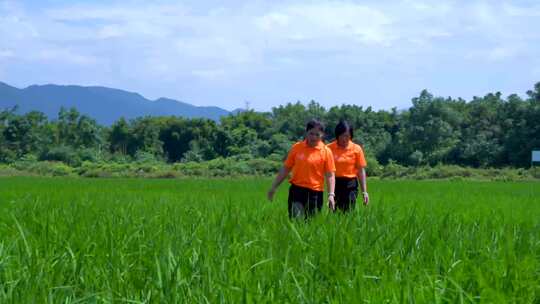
240	157
535	172
447	171
46	168
59	169
7	170
146	157
90	154
373	168
263	166
64	154
393	170
7	155
191	168
241	168
192	156
416	158
120	158
25	162
166	174
231	167
277	157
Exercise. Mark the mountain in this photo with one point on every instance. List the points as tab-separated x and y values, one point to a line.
238	111
106	105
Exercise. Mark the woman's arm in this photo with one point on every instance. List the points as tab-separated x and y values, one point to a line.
283	172
363	184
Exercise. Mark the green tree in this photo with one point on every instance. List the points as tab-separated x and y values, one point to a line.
26	133
433	128
119	137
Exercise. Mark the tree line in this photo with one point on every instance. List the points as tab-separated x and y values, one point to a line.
489	131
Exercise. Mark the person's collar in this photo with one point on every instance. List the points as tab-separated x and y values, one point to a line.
350	145
319	145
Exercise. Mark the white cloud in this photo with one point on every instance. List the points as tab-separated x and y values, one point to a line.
6	54
272	20
502	53
329	20
210	74
216	48
65	56
243	35
16	27
517	11
155	42
110	31
536	72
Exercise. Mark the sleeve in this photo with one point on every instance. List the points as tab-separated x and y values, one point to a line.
289	162
360	159
329	165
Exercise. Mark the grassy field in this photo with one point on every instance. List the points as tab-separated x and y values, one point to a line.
73	240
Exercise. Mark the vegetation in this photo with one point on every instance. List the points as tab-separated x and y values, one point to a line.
70	240
235	167
487	132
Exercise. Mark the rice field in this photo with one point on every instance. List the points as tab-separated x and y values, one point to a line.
75	240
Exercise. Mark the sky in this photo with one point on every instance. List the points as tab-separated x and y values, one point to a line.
267	53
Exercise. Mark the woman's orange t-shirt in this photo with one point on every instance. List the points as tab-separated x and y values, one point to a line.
309	165
348	160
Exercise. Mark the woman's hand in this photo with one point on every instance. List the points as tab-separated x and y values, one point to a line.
331	202
366	198
270	194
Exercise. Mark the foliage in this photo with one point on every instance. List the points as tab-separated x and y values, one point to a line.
489	131
238	166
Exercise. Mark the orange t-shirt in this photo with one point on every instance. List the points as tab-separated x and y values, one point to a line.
348	160
309	165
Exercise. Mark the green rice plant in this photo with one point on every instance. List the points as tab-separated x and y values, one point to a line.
77	240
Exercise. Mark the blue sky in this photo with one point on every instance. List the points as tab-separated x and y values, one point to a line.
224	53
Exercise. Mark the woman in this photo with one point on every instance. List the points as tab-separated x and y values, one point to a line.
350	163
310	162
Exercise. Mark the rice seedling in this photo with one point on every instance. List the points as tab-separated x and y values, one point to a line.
74	240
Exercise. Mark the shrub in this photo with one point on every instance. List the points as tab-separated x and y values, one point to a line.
120	158
192	156
416	158
90	154
243	156
7	170
7	155
276	157
64	154
263	166
25	162
535	172
241	168
48	168
191	168
393	170
166	174
373	168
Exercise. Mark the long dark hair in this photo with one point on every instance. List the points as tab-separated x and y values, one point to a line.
342	127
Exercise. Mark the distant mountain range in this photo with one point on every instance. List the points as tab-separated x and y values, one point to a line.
106	105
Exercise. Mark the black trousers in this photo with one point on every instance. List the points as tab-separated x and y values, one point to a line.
346	193
304	202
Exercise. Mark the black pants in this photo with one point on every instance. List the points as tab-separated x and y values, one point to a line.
346	193
304	202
